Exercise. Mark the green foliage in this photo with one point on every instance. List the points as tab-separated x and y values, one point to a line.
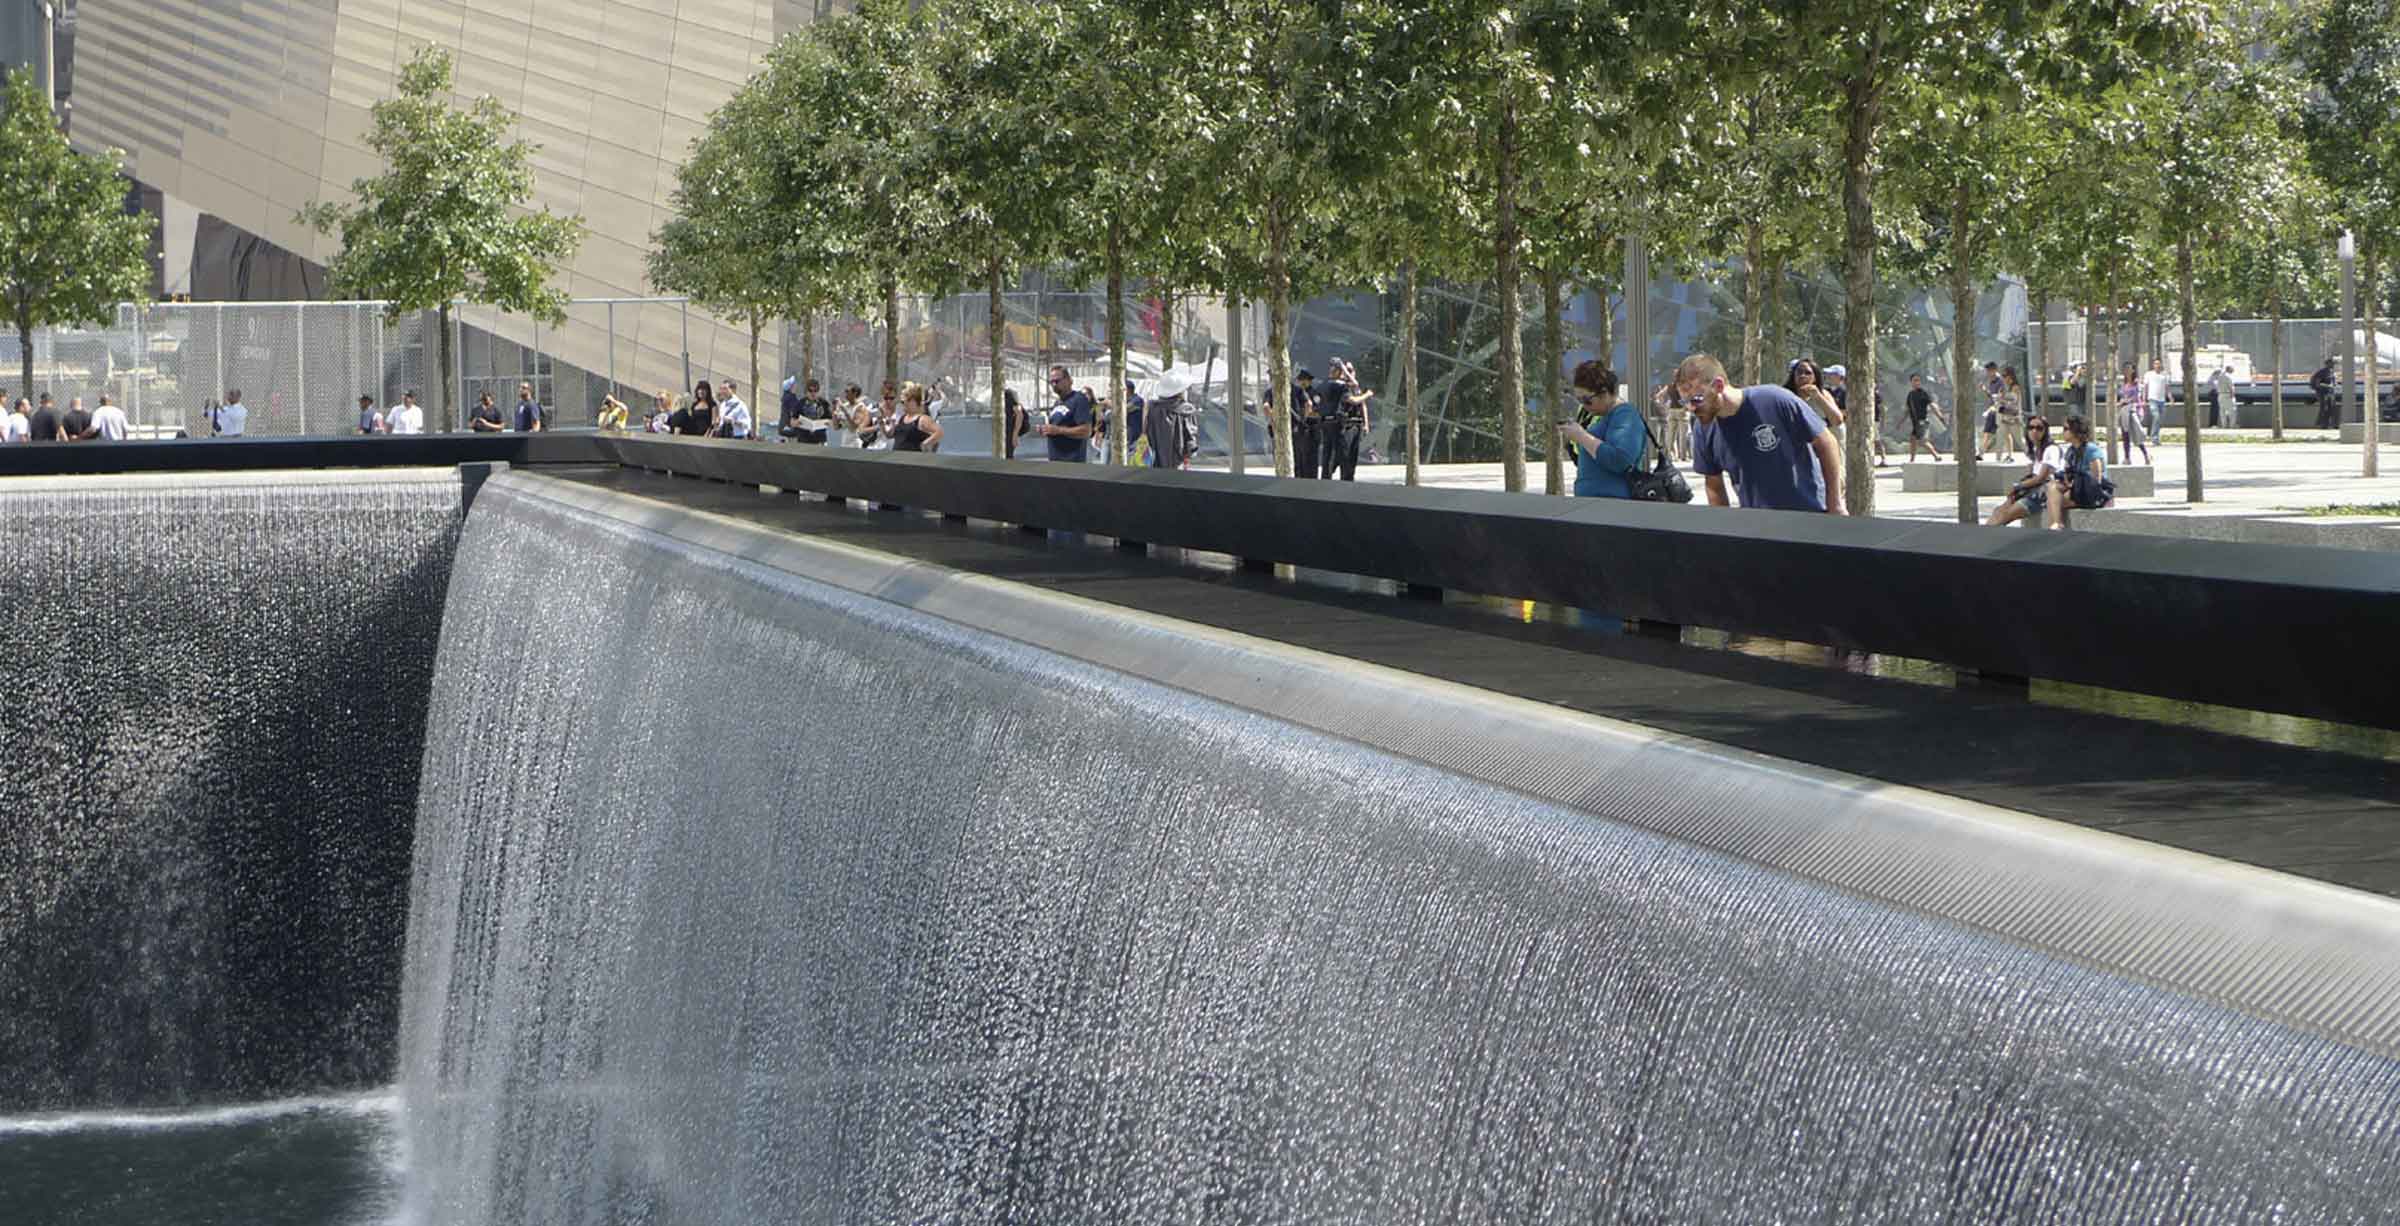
447	219
2349	52
68	250
727	247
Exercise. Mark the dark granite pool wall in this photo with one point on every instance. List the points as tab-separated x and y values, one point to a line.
213	698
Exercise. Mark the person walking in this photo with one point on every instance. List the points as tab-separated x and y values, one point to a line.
1778	452
1676	417
2010	405
1607	435
1921	411
2223	399
2320	385
2135	411
2154	391
408	418
1068	427
369	421
108	422
17	427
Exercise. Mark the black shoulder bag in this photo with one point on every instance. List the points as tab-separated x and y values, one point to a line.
1664	482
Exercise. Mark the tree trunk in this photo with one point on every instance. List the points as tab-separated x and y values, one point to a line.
1962	362
2187	309
2096	420
25	356
997	336
1278	397
449	406
2373	434
1863	107
1408	360
1166	329
1504	276
1779	310
1117	441
2035	380
758	324
2275	360
1753	328
808	349
891	333
1553	396
2094	376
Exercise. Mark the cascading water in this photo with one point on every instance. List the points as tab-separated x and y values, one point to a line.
739	898
214	701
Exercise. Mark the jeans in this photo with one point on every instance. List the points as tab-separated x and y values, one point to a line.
2329	413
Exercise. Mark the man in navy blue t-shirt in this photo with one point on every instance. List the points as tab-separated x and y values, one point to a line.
1069	427
1779	454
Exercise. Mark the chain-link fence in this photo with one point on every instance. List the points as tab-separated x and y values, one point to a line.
300	367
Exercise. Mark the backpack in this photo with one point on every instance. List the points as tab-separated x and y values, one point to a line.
2085	491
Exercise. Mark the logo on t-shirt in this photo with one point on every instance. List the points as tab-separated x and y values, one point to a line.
1764	437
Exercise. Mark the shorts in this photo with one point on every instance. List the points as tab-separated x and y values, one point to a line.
2033	500
1991	421
1916	432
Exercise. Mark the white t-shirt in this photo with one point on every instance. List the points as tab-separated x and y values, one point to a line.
109	421
232	419
2053	461
2154	386
735	415
407	419
16	429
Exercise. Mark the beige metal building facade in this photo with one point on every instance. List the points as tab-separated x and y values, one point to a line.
246	110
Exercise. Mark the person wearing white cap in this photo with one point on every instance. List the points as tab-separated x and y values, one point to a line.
1172	422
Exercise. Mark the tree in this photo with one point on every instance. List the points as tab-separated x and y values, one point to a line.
2284	261
2350	53
2211	125
1860	51
69	252
726	246
1268	126
991	152
1962	146
447	220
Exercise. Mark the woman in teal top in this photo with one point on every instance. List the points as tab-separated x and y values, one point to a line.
1603	459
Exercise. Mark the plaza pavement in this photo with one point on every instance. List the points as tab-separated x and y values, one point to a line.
2243	479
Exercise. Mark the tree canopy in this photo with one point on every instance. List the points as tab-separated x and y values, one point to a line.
449	217
69	249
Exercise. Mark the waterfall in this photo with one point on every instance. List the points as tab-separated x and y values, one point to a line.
739	895
213	704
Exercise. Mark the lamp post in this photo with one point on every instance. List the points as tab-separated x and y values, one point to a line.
2348	253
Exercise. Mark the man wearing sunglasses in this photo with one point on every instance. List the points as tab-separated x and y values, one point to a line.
1779	453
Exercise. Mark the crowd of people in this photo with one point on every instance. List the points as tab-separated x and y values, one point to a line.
1769	446
40	420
